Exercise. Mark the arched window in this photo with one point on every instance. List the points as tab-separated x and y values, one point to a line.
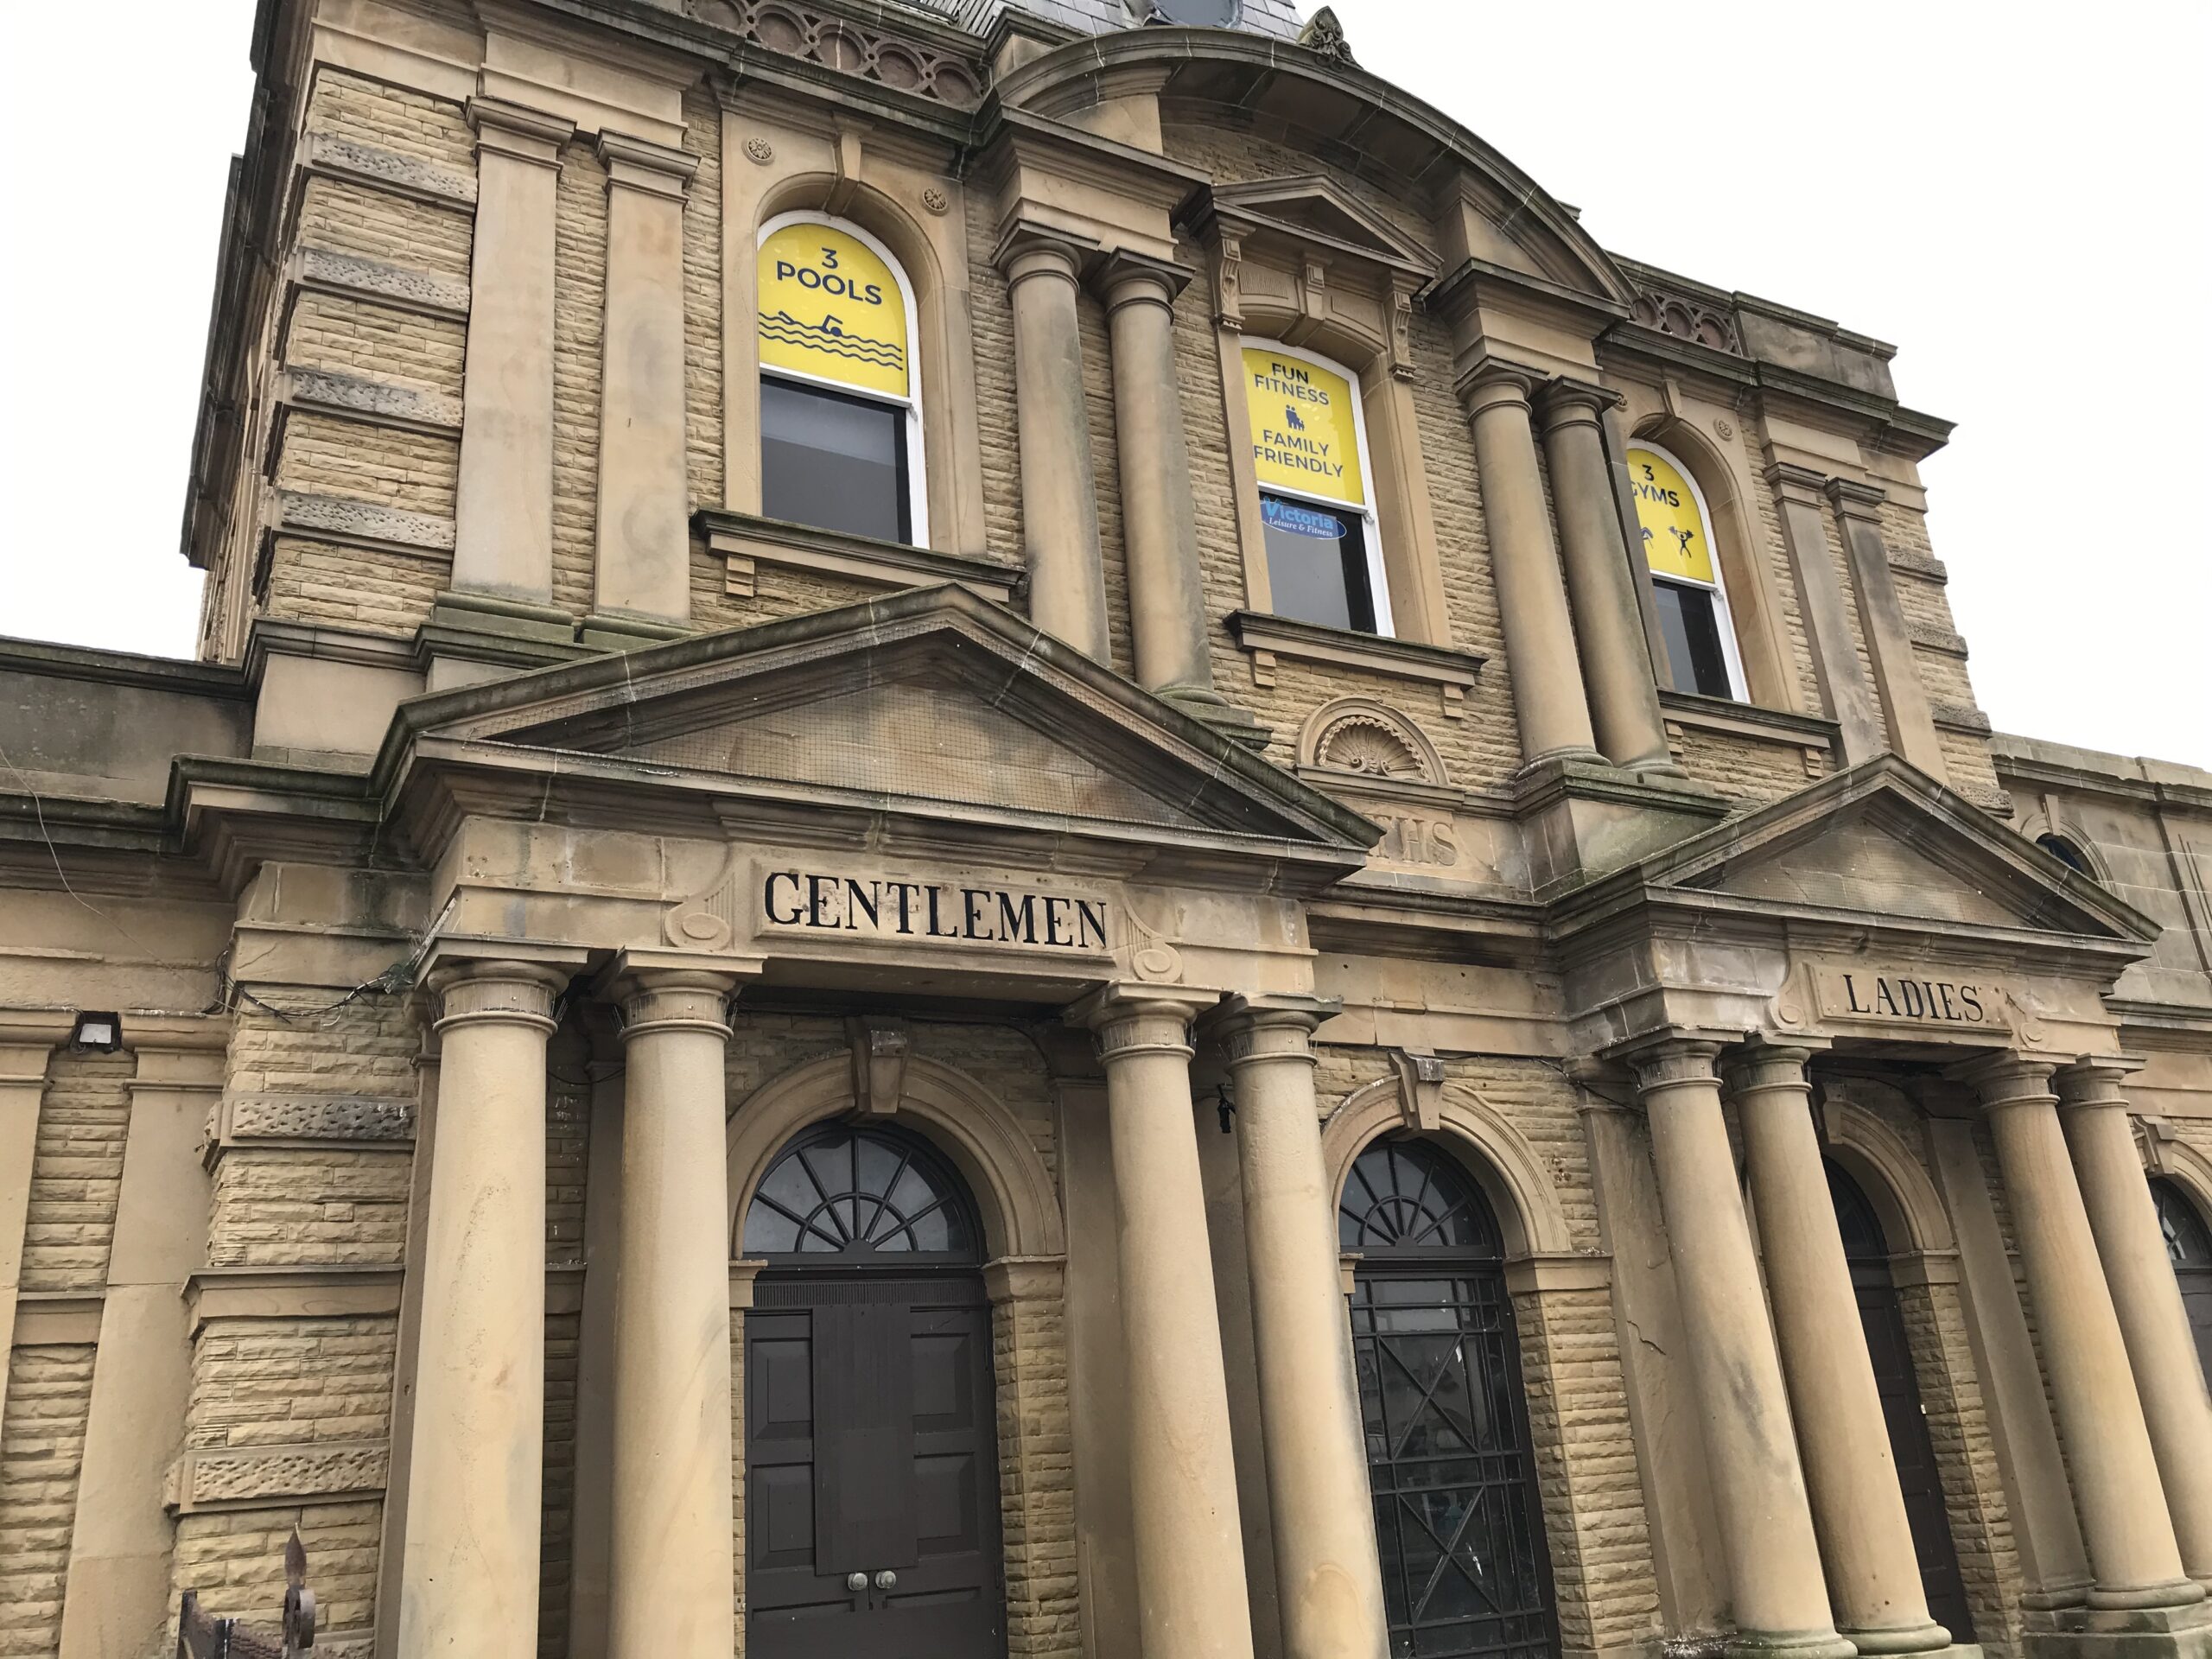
1677	535
857	1194
2188	1242
1317	501
1465	1568
2068	853
840	429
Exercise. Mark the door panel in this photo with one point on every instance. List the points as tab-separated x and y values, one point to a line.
871	1447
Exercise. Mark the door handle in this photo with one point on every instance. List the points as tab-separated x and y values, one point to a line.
887	1580
855	1582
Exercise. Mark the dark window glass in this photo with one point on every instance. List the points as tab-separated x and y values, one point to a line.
859	1194
1316	563
2067	854
833	462
2188	1239
1692	627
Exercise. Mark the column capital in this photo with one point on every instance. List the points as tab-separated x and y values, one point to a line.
489	991
639	164
1028	249
2095	1080
1790	482
1855	500
2008	1079
1140	1018
1671	1061
1758	1066
511	130
1126	278
1493	382
1252	1033
1564	402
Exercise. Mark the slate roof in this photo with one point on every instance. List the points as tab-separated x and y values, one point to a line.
1277	17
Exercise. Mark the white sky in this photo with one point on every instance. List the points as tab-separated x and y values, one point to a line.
2020	197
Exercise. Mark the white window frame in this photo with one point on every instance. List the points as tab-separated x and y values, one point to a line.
1378	579
918	484
1731	657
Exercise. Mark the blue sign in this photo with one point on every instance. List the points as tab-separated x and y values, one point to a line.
1300	521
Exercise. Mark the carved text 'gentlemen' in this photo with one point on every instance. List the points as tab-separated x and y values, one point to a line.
880	908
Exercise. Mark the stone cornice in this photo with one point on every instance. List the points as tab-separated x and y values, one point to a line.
1405	659
745	540
1748	720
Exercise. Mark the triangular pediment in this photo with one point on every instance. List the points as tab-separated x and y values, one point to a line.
931	702
1316	206
1886	841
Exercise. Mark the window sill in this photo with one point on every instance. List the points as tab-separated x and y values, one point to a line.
746	542
1700	713
1451	671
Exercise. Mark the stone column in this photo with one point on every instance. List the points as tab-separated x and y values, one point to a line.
469	1583
674	1570
1882	625
642	571
502	512
1168	602
1190	1549
1873	1574
1608	623
1547	698
1781	1604
1059	511
1328	1577
2132	1555
26	1042
2152	1321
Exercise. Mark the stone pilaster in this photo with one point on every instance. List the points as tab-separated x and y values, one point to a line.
1036	1453
642	573
1846	695
1059	512
1547	673
503	528
1882	625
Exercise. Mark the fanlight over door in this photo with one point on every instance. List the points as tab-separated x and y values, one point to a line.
2188	1242
1465	1571
871	1456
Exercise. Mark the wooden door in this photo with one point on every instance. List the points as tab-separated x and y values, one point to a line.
1882	1317
871	1452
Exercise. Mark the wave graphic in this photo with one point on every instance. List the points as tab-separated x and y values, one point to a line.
829	336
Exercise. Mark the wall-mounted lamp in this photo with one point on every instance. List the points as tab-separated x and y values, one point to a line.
97	1033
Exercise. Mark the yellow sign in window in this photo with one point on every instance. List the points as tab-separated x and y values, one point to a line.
830	307
1304	434
1675	540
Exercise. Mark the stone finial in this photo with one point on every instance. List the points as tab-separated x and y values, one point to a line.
1325	34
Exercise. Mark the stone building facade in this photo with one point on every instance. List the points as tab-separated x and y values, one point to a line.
1012	830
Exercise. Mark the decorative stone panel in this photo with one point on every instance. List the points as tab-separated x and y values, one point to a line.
265	1474
1359	734
891	60
311	1120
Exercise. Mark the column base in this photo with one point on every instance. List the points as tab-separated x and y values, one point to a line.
1788	1645
604	632
1236	723
1930	1638
2173	1632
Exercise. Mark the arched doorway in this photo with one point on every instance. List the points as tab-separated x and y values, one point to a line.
2188	1242
1867	1249
1465	1571
871	1454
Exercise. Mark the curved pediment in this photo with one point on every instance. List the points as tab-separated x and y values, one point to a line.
1344	116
